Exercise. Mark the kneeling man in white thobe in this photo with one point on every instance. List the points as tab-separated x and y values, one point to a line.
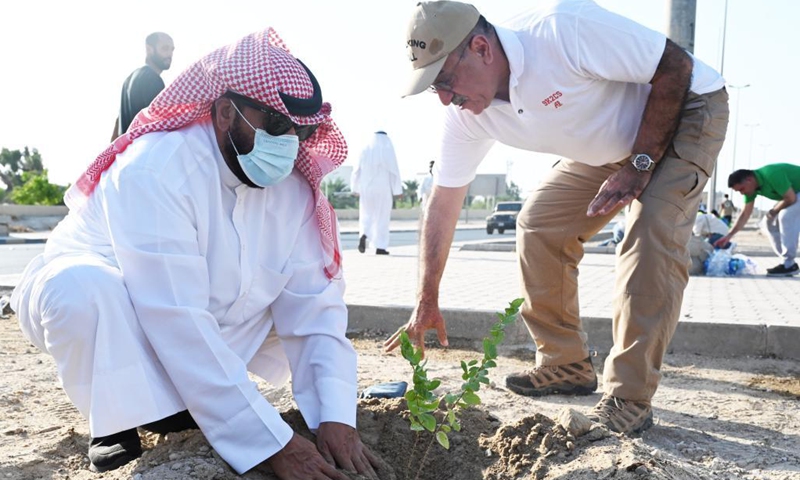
198	248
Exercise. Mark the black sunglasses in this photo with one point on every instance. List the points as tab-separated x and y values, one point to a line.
277	124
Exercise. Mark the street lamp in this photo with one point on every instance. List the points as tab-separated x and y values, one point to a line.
736	124
712	194
752	127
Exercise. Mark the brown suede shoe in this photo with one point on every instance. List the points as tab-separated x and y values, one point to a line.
571	379
622	416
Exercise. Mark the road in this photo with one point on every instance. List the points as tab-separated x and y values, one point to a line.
14	258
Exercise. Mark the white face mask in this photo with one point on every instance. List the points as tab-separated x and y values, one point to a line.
272	158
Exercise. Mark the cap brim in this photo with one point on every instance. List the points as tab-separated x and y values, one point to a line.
422	78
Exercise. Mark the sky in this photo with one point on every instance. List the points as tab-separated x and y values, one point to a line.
62	65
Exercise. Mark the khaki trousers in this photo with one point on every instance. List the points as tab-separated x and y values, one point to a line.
652	260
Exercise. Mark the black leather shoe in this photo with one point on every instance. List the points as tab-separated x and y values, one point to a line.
362	244
113	451
381	251
174	423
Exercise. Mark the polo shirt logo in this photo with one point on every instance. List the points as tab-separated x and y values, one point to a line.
553	100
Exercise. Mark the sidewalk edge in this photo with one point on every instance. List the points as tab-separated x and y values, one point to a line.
690	337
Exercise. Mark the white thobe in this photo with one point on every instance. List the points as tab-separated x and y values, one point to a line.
425	189
706	224
163	292
376	179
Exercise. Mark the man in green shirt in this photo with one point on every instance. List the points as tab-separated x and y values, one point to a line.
781	182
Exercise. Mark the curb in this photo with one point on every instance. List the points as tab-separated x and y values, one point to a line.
406	230
690	337
19	241
510	246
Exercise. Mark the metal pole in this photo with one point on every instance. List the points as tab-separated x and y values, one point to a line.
712	197
736	125
682	15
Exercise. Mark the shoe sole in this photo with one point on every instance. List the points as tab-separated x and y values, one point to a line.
122	460
553	390
790	274
362	244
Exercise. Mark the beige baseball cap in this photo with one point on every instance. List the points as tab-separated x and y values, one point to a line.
435	30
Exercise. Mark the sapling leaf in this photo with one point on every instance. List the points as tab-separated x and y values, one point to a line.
490	364
416	426
445	428
471	399
428	421
407	350
491	351
450	399
451	417
441	437
434	384
472	362
463	365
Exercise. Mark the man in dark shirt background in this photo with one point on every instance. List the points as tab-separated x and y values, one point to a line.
142	86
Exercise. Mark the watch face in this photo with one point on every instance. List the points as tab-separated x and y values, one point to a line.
642	162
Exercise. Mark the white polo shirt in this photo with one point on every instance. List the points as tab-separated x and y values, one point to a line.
578	86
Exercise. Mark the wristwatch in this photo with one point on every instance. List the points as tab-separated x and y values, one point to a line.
642	162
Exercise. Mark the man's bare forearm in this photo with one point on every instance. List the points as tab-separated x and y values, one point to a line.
743	218
437	235
662	113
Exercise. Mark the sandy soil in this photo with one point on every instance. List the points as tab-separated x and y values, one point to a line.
716	418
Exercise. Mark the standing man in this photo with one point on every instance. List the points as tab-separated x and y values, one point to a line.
639	123
142	86
426	188
781	182
199	248
727	210
376	180
710	228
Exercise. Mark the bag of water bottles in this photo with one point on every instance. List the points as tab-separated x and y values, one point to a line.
721	263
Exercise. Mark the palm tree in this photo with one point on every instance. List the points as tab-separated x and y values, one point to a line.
410	190
338	193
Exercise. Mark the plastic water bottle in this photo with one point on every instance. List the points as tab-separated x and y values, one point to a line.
735	265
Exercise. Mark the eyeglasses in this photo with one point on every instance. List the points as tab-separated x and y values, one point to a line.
446	85
277	124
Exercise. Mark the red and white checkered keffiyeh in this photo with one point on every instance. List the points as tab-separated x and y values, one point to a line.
258	67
